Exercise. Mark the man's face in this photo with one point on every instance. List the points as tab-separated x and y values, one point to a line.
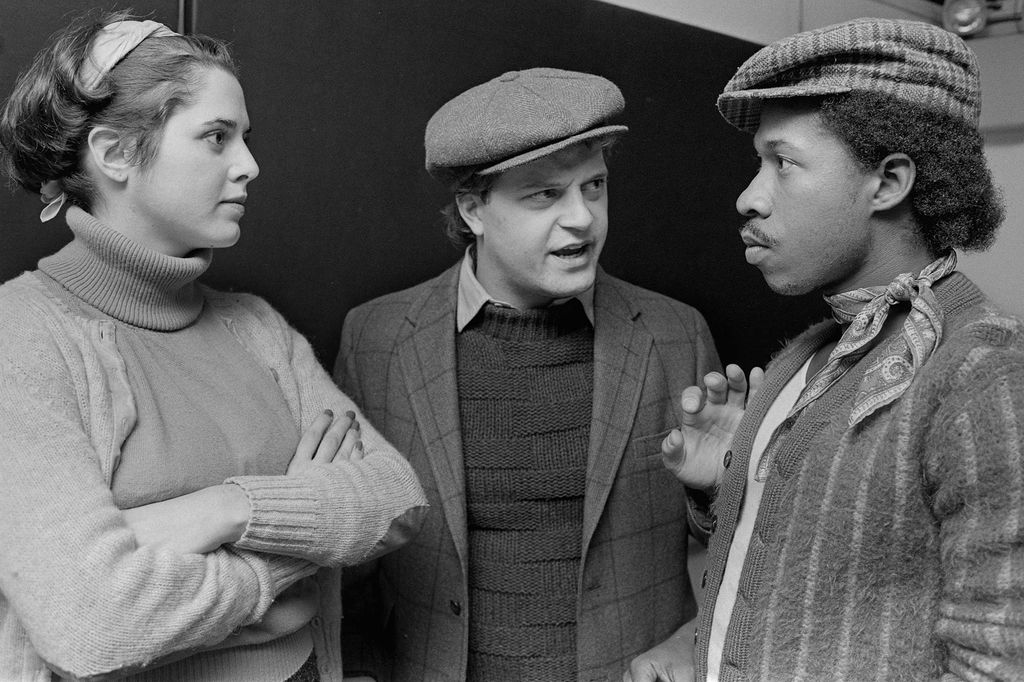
541	230
809	207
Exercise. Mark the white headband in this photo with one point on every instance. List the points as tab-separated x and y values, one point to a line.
112	43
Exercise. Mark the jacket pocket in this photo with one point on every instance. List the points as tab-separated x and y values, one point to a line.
647	447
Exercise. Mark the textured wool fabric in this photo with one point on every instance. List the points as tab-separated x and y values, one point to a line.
406	617
526	380
125	280
866	310
190	373
75	590
193	375
472	296
910	61
894	549
518	117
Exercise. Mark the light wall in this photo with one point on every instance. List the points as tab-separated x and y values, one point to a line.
1000	270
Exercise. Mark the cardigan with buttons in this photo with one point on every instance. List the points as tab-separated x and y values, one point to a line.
893	550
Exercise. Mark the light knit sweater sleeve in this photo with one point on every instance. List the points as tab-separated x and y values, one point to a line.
333	514
976	467
71	574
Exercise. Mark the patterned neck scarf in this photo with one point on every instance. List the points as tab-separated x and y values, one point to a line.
888	377
866	311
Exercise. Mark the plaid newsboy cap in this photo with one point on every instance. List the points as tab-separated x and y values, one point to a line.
519	117
910	61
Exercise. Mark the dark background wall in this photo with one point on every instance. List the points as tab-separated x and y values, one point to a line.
339	93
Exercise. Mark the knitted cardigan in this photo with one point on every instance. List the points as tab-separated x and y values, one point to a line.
893	550
77	594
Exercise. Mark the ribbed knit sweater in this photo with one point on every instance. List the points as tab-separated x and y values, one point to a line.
76	592
893	550
206	410
525	381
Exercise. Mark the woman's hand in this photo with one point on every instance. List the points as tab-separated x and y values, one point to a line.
694	451
328	440
203	520
198	522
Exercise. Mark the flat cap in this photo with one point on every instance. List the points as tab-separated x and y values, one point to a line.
519	117
910	61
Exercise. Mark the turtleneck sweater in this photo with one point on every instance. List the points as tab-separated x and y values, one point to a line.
125	280
206	409
78	595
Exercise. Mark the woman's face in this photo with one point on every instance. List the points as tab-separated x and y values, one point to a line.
191	194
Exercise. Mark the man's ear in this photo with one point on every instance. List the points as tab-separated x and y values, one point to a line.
110	154
895	176
469	205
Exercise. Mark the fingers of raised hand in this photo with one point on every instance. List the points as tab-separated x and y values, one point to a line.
692	401
717	387
756	382
737	394
672	447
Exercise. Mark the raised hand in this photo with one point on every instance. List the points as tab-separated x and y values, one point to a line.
694	451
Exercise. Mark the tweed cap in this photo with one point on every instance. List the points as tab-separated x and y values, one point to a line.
519	117
910	61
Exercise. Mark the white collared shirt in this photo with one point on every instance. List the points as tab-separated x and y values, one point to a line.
748	515
472	296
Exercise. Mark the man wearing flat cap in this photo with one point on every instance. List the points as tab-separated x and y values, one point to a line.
531	391
870	508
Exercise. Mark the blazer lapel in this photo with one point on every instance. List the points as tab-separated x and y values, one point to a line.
621	352
427	355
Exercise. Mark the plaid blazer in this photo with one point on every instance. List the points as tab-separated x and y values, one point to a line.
407	615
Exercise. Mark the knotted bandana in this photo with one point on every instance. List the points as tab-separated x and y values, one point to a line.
888	377
866	311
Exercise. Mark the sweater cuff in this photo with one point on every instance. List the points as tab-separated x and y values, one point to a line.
283	517
334	514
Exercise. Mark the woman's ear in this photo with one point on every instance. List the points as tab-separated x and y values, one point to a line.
469	205
895	176
109	153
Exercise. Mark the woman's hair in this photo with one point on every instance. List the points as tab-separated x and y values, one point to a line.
954	202
46	121
468	181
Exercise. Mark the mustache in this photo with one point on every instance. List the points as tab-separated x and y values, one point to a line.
753	230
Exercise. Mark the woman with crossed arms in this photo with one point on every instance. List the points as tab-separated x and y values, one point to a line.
180	480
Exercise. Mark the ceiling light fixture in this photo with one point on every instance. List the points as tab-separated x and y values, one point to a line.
969	17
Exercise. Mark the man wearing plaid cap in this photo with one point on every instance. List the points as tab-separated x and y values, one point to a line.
530	391
870	509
